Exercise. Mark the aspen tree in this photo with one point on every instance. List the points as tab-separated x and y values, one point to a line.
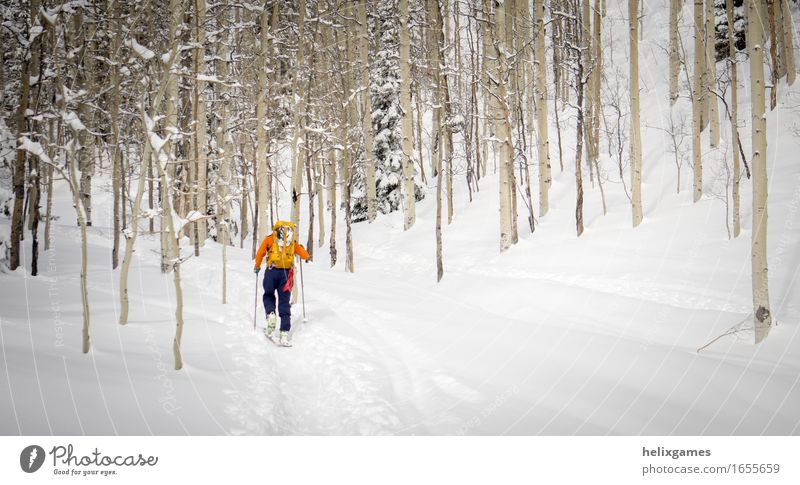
674	61
579	88
366	120
409	210
263	190
444	20
223	144
636	139
788	43
200	152
487	66
137	204
34	168
298	110
543	145
86	81
173	240
697	96
347	161
172	131
711	75
500	113
775	68
330	162
434	13
700	61
116	156
17	218
733	66
588	59
761	306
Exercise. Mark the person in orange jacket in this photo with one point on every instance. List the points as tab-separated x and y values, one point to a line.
279	248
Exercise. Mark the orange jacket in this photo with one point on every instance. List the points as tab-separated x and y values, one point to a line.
267	243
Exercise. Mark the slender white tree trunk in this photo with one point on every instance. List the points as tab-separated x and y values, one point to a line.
697	96
263	185
761	307
711	68
734	118
409	209
299	109
366	120
636	137
543	145
674	62
788	43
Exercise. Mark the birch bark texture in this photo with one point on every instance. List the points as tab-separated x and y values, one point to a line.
543	145
636	137
409	209
760	281
697	108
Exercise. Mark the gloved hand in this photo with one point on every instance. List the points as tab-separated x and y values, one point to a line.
256	270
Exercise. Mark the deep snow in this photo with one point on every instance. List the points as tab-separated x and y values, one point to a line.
558	335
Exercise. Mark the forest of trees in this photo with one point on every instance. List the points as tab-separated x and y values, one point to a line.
203	113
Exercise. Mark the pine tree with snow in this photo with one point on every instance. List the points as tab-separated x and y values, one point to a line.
386	111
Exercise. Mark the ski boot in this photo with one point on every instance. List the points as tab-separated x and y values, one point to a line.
272	321
285	342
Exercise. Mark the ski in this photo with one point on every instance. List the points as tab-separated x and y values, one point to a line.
276	342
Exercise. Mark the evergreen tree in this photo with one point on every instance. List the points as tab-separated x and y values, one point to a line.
386	111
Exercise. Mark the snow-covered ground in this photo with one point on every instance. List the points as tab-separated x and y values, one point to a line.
558	335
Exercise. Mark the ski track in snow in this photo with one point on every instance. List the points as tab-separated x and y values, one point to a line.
325	384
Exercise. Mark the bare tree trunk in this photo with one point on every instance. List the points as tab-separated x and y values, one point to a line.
636	138
500	113
17	218
788	43
579	148
711	69
773	54
734	117
347	162
674	61
366	120
116	160
697	96
543	145
298	120
49	211
200	149
263	187
761	306
409	210
81	213
331	181
223	179
137	205
171	118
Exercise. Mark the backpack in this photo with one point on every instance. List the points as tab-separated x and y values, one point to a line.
281	252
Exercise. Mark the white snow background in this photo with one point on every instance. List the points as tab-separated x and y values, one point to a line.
558	335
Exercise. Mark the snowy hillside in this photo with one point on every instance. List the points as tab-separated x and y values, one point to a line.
558	335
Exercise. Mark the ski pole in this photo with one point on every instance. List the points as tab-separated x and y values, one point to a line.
255	305
302	290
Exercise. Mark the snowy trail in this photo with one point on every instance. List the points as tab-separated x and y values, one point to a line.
343	376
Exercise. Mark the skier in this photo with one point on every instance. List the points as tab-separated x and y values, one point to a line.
280	248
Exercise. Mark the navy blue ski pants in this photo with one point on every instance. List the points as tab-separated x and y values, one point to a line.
274	280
